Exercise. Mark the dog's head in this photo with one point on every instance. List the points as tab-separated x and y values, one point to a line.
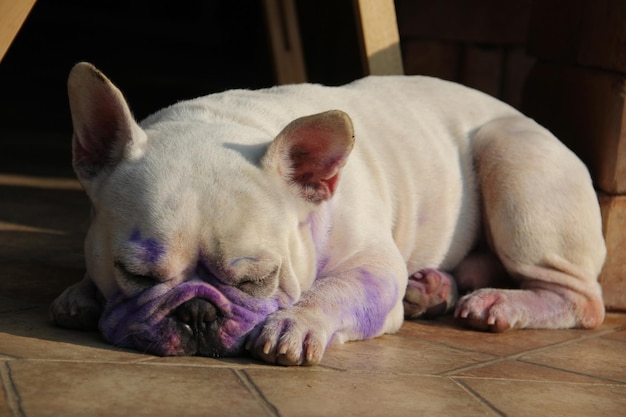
200	229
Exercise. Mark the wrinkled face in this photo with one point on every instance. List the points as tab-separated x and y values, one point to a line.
193	246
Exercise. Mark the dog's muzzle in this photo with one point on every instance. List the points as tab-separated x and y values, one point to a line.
193	318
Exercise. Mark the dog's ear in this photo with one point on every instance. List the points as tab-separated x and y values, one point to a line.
310	152
104	128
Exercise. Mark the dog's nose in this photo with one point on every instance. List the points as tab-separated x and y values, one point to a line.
196	311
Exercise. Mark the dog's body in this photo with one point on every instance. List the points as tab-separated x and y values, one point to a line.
238	221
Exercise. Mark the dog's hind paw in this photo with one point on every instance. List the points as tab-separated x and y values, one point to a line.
288	339
487	309
429	293
539	308
78	307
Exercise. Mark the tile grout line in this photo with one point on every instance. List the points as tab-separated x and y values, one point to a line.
609	383
478	397
13	398
518	355
454	372
269	408
542	365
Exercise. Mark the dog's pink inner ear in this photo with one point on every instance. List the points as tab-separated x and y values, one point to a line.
310	152
95	145
103	124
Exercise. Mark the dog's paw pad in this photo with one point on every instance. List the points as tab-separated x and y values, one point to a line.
78	307
486	309
429	293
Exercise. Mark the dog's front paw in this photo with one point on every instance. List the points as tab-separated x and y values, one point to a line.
78	307
289	337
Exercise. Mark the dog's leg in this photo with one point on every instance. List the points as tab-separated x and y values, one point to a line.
78	307
542	219
360	303
480	269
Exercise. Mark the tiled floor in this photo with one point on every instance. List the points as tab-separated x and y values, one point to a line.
428	368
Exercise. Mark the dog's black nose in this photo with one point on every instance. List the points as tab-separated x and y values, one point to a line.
196	312
198	322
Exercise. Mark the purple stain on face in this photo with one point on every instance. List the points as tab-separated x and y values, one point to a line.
152	250
148	320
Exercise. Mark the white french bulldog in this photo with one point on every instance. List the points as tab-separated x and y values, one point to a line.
267	221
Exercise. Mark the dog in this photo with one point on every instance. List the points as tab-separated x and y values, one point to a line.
279	221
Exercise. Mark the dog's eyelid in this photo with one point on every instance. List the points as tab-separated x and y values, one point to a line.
135	276
258	283
259	278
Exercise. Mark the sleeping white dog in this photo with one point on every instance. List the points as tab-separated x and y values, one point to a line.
279	221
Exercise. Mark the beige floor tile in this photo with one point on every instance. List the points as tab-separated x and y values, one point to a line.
4	402
201	361
620	335
86	348
532	399
521	371
29	334
4	405
400	354
310	392
599	357
81	389
445	331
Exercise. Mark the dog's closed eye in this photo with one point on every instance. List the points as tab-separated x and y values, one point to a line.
134	280
255	285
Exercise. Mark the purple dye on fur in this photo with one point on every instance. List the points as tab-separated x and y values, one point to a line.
379	299
152	250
